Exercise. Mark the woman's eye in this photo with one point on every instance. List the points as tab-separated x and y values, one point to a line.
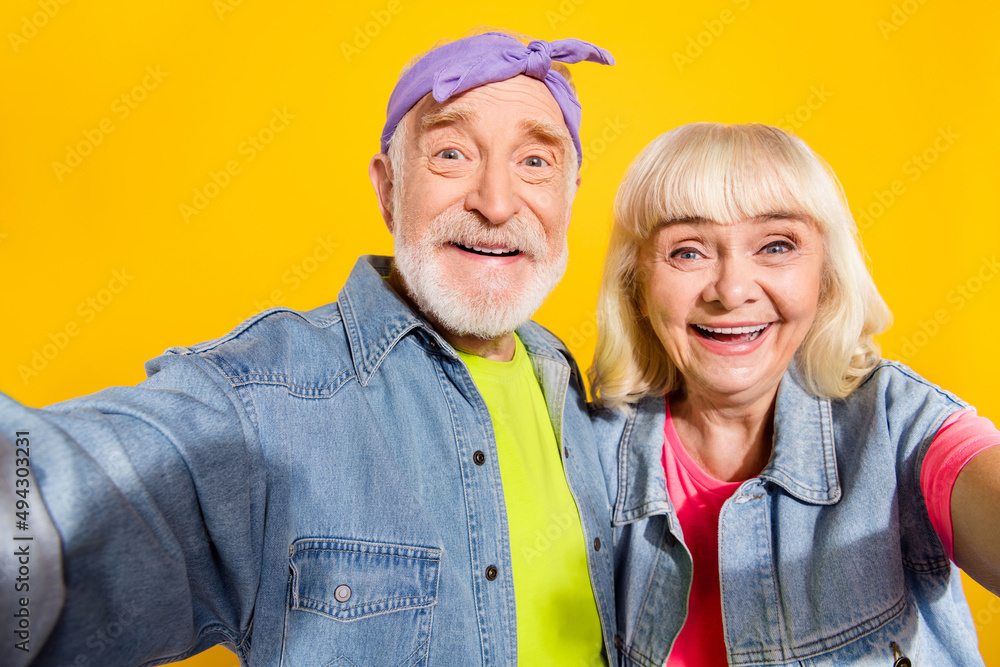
535	161
451	154
685	253
777	247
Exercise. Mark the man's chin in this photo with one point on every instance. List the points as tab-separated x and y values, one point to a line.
487	316
487	303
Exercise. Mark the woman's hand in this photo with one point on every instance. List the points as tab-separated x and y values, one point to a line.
975	519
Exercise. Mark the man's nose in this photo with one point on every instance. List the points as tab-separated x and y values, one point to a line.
734	283
493	194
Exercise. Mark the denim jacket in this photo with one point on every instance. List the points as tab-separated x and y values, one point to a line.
310	489
827	557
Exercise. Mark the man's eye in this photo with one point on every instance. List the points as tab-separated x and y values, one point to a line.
451	154
535	161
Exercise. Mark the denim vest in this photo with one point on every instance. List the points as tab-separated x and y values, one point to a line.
827	557
314	489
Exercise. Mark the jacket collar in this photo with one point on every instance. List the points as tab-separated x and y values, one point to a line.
642	484
803	458
376	318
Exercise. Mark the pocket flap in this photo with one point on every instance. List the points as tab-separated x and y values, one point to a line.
347	579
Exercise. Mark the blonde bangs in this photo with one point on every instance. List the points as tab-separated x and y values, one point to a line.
723	173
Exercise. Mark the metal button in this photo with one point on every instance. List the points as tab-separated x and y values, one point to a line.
597	544
492	572
901	660
479	458
342	593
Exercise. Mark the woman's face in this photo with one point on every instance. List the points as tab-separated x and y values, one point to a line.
731	303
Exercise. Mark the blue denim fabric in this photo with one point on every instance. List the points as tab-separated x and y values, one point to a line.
826	558
303	490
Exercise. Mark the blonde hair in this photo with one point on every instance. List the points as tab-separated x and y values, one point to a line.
728	173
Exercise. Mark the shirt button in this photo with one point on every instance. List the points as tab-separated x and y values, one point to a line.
342	593
597	544
491	572
565	453
479	458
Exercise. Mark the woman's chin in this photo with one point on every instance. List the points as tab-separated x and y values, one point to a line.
738	385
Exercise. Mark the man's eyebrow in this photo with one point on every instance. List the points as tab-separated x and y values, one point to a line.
449	115
546	132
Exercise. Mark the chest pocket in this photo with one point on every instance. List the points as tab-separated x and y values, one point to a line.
353	604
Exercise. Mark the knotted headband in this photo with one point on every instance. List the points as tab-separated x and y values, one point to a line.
462	65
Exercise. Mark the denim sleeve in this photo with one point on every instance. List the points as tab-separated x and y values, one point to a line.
156	495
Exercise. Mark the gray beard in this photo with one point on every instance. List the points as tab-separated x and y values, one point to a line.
489	305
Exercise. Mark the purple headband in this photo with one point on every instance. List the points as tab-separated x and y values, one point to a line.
474	61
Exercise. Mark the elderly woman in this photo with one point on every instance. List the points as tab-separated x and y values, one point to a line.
784	496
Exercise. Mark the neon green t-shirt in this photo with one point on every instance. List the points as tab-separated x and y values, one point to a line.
557	620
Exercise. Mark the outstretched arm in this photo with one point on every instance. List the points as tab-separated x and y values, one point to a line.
153	505
975	517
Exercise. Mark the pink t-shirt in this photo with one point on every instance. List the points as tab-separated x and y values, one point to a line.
698	499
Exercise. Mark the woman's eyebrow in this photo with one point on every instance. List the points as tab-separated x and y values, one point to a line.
781	215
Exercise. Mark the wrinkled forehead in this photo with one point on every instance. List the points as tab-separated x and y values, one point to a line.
520	104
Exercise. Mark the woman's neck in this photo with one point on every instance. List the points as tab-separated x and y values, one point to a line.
730	442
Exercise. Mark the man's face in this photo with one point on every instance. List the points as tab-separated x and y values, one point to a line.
481	205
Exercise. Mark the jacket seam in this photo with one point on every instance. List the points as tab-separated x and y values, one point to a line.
441	376
932	567
427	600
623	469
634	654
907	372
408	659
327	390
208	630
251	322
850	634
246	402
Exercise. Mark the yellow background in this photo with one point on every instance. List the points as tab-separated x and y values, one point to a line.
869	84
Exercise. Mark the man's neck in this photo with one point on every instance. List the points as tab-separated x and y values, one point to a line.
494	349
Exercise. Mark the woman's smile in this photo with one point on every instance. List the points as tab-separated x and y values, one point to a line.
732	339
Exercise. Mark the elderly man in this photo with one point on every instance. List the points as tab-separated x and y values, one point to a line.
397	478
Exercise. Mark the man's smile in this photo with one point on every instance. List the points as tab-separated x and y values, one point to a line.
489	251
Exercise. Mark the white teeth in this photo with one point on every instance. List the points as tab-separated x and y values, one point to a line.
732	330
492	251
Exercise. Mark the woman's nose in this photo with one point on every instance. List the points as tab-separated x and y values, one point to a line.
734	283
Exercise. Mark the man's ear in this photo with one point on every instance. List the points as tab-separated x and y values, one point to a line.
380	173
